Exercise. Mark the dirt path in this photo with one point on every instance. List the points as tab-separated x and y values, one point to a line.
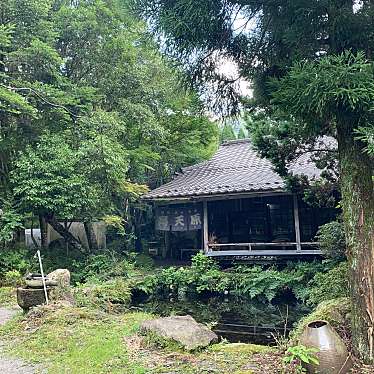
13	365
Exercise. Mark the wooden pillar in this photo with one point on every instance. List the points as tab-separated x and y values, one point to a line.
205	227
297	222
165	249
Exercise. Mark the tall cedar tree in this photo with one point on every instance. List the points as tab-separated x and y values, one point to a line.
311	60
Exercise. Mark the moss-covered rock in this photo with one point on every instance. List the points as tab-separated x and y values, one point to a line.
183	329
335	311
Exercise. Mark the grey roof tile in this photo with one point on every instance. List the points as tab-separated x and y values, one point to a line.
235	168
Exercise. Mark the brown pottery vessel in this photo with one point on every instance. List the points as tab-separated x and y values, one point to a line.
332	354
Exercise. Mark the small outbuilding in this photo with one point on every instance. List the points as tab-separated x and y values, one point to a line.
235	204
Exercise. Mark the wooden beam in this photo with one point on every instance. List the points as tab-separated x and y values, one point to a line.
258	252
297	222
165	248
205	227
270	244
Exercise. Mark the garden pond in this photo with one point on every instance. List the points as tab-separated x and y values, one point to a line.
231	318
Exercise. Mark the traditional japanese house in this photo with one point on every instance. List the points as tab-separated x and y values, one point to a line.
235	204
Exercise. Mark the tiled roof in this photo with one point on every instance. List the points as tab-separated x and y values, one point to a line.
235	168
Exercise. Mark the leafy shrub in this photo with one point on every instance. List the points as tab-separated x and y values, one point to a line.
105	266
331	237
256	281
10	221
330	285
299	355
17	259
204	275
83	267
13	278
145	262
58	257
201	263
114	295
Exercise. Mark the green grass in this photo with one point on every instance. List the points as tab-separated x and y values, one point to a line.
7	296
75	340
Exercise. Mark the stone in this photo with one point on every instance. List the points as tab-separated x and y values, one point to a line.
61	276
38	283
29	297
182	329
63	290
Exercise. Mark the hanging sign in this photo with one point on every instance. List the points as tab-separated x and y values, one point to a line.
178	219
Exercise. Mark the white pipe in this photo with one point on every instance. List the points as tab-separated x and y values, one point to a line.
43	279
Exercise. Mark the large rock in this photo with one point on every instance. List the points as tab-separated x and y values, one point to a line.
62	292
61	276
183	329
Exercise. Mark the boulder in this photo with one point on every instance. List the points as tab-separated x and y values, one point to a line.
61	276
63	290
182	329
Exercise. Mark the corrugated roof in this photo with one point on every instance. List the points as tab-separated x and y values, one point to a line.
235	168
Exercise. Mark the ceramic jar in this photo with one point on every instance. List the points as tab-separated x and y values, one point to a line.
332	354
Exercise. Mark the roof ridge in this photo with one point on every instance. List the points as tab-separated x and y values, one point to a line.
236	141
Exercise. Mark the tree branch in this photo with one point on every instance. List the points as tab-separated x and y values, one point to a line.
36	93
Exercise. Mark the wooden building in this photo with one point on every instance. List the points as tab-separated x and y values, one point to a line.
236	205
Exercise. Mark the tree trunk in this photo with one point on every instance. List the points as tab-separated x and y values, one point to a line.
32	235
19	237
43	232
358	209
91	237
65	233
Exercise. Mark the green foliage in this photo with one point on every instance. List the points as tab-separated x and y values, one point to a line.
329	285
300	355
204	276
10	221
91	113
86	267
46	179
15	259
144	262
105	267
111	296
242	134
227	133
366	135
13	278
331	238
255	281
328	86
116	222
